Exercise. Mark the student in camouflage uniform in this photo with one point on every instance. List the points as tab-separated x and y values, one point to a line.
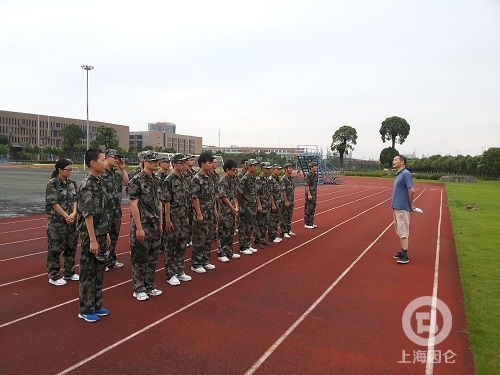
247	202
203	197
188	174
214	176
265	203
60	204
311	187
242	171
175	236
288	204
145	227
113	179
228	211
278	195
94	231
164	170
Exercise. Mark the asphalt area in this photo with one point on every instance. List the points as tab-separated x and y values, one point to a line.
330	300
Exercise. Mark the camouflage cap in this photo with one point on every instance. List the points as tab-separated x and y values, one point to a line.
286	165
178	157
164	156
112	152
266	165
151	156
312	164
252	162
140	155
188	156
277	166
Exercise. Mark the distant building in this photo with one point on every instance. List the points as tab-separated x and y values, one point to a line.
24	129
167	127
283	151
186	144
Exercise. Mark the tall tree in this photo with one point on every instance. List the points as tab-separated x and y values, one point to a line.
490	163
107	136
394	129
72	135
343	140
387	155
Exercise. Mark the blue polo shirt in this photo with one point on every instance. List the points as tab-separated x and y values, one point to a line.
402	183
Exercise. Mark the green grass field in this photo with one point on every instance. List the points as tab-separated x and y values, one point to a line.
475	211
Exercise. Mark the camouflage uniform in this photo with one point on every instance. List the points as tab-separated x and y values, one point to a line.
248	210
289	186
311	180
214	177
276	219
92	202
174	192
203	188
227	189
113	185
162	175
263	217
188	175
62	237
146	189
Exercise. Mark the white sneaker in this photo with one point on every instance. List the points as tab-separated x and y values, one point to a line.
106	269
154	292
189	244
223	259
315	226
277	240
286	235
173	281
252	249
236	256
118	265
184	277
209	266
246	252
141	296
308	227
292	234
73	277
198	270
58	282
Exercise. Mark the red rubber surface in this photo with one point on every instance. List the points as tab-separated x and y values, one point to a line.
223	321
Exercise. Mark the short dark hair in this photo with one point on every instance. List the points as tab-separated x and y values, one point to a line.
229	164
244	161
205	157
92	154
402	158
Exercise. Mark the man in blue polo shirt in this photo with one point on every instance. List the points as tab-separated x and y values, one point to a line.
403	195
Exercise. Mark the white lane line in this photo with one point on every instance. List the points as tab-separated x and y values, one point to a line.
129	280
429	366
154	324
292	328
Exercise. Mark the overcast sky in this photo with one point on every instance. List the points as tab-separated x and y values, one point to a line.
279	73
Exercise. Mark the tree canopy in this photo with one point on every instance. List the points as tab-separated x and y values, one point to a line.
387	155
394	129
343	140
107	137
72	135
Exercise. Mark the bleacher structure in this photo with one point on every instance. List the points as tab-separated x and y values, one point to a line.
327	173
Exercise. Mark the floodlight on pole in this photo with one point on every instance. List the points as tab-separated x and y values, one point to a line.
87	68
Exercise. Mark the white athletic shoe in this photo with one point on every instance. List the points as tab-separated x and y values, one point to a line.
236	256
252	249
173	281
223	259
106	269
154	292
209	266
73	277
184	277
286	235
308	227
277	240
246	252
141	296
58	282
315	226
199	269
292	234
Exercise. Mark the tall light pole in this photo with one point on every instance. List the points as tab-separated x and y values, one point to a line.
87	68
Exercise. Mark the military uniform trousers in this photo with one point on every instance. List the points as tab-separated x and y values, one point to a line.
309	210
275	221
145	256
203	235
248	226
287	214
91	275
226	232
62	239
263	224
115	221
175	246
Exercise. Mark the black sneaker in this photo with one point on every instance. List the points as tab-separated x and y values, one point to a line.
397	255
403	259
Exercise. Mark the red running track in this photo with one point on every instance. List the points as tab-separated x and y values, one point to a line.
328	300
